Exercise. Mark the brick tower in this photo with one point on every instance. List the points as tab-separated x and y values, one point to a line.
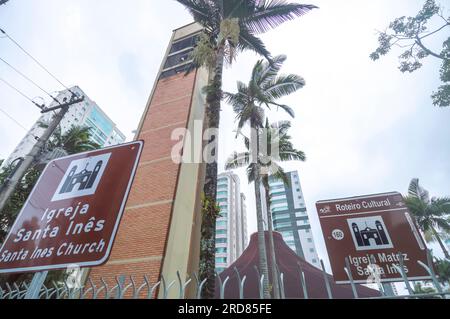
160	230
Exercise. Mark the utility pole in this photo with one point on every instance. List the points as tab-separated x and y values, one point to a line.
12	181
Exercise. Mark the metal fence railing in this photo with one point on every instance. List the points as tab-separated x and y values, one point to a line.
130	287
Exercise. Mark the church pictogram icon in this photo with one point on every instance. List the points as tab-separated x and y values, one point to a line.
85	179
82	177
369	233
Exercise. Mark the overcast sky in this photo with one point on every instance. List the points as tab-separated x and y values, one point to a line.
365	127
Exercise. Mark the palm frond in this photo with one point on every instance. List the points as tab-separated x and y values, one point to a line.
252	172
248	41
292	155
281	127
202	11
237	160
271	69
283	86
285	108
269	14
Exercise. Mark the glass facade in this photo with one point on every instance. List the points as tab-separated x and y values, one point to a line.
290	218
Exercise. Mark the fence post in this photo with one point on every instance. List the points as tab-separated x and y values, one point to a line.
325	277
241	283
430	271
36	285
260	283
385	289
401	269
303	282
350	276
283	294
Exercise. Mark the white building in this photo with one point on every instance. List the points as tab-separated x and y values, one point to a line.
290	217
88	113
231	226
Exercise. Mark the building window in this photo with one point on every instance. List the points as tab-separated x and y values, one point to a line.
276	187
221	260
279	201
280	209
177	59
309	240
222	224
280	216
274	194
221	250
221	232
184	43
311	250
175	71
281	225
221	241
314	261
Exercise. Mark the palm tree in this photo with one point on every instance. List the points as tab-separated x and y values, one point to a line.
76	140
443	270
229	26
266	85
275	136
272	170
431	215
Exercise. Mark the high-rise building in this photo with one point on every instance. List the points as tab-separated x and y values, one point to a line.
290	217
231	226
87	113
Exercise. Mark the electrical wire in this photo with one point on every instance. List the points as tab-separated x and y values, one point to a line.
13	119
34	59
21	93
30	80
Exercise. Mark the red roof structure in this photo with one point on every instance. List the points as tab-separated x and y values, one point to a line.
289	263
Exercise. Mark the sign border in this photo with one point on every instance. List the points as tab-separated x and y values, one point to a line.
382	280
104	259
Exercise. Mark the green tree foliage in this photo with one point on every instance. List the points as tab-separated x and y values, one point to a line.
432	214
262	92
419	289
442	268
409	33
75	140
18	198
230	26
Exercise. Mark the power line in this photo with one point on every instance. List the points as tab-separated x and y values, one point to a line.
30	80
21	93
13	119
34	59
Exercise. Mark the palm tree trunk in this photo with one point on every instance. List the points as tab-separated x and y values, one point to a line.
263	268
438	238
209	212
273	259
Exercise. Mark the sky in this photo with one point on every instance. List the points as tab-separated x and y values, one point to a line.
365	127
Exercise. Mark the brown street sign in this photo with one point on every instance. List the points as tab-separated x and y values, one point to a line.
370	231
72	215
